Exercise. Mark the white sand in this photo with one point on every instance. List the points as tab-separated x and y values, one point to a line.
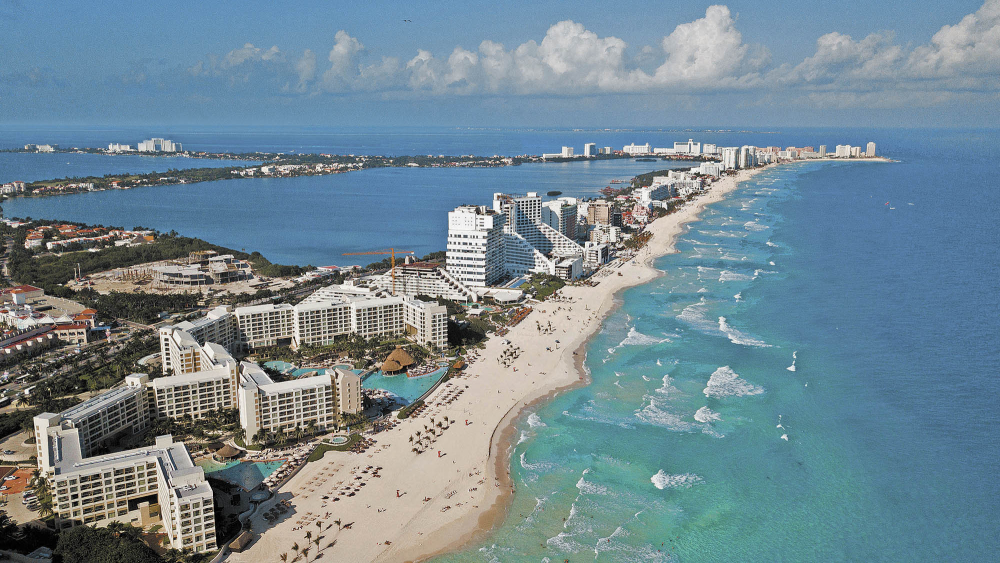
470	481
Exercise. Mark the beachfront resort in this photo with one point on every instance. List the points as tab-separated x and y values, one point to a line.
495	254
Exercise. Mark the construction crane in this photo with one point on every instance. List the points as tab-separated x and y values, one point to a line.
392	252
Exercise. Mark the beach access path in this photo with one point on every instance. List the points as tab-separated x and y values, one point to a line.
458	490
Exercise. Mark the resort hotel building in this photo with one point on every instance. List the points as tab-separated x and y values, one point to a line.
97	489
336	311
157	484
306	402
487	246
425	278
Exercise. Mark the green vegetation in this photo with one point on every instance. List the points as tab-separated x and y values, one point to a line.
639	240
136	307
541	286
49	271
209	428
117	542
321	450
408	409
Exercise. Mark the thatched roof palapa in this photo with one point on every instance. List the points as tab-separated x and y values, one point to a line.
228	452
398	360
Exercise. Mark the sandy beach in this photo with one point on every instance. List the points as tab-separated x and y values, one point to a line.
419	505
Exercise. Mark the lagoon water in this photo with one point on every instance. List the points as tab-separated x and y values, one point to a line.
813	378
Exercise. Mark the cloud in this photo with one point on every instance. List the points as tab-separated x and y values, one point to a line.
704	56
970	47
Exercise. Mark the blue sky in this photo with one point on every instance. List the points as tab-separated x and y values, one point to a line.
501	63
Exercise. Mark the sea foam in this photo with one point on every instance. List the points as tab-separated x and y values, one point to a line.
683	481
737	337
726	275
725	382
705	414
794	358
534	421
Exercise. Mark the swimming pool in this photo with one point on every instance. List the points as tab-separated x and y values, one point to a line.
407	388
280	366
246	474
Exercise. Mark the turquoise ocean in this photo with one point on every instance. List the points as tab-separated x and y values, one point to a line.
814	377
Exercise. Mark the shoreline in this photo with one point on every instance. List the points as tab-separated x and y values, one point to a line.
493	517
459	490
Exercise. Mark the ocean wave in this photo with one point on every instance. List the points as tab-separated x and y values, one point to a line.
771	244
794	358
694	315
724	382
590	414
656	415
523	438
530	519
636	338
540	466
737	337
535	421
604	544
587	488
705	414
666	389
564	543
726	275
703	290
755	226
738	296
682	481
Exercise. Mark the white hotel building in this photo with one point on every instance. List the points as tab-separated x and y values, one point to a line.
475	252
101	489
486	246
89	489
307	401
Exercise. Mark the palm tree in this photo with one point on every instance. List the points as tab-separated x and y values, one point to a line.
283	557
305	553
319	524
337	522
411	438
316	541
241	435
309	534
295	547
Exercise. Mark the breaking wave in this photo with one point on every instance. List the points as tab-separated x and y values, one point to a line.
754	226
726	275
534	421
725	382
636	338
705	414
683	481
737	337
794	358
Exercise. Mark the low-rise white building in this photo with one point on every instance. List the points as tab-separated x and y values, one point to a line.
635	149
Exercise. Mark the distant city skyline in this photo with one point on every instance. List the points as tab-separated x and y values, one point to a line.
850	63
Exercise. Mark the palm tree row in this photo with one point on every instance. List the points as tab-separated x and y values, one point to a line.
302	552
429	434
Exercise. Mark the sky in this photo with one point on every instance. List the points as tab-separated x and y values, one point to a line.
516	64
